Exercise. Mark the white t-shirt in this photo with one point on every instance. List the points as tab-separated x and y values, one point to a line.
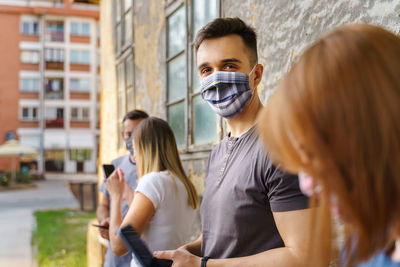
172	223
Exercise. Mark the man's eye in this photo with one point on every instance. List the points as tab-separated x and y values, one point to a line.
229	67
204	71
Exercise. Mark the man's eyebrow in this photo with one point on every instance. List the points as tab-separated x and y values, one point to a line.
202	65
227	60
230	60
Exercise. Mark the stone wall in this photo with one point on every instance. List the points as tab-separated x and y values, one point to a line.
149	36
285	28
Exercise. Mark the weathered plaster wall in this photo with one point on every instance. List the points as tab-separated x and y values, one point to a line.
108	95
149	34
285	28
150	75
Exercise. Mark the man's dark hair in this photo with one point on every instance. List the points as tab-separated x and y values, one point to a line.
135	114
221	27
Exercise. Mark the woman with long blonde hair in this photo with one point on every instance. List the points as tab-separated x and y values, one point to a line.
163	207
336	117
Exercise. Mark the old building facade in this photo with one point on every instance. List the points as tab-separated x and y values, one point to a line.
148	60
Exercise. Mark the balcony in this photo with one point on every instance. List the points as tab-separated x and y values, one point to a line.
55	31
54	117
55	36
54	89
54	123
54	59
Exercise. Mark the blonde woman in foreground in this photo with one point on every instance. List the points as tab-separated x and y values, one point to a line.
163	209
336	117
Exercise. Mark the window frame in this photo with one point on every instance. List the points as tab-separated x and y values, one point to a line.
31	27
79	56
80	112
52	54
75	152
189	146
31	85
31	51
30	116
80	31
79	89
123	51
53	34
62	88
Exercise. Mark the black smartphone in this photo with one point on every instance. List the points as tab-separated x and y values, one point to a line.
101	226
139	248
108	169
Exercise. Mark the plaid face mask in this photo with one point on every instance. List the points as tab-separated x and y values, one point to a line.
226	92
129	145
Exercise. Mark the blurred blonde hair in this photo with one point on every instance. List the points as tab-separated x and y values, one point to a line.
156	150
336	116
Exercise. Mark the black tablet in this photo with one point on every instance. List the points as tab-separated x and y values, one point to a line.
137	246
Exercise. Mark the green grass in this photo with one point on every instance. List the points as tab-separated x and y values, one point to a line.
60	237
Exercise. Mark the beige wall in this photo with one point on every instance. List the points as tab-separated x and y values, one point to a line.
108	95
149	36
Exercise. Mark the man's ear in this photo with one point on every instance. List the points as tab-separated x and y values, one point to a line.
258	72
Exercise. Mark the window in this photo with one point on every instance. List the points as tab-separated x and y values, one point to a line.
192	120
29	85
54	88
79	85
29	114
55	31
54	117
123	24
29	28
79	57
124	58
80	114
82	29
80	154
30	56
54	58
54	55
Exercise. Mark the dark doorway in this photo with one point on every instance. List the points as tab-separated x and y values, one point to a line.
79	166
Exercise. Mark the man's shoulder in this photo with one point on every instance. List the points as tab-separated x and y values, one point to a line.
120	160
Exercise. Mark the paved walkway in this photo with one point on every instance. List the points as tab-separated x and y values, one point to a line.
16	215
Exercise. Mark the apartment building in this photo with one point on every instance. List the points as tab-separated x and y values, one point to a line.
49	80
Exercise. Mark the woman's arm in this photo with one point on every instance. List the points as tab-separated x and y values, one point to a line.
138	216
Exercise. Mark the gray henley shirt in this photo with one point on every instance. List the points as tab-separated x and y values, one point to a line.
243	188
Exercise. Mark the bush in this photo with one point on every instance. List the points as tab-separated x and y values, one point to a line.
20	177
24	178
4	179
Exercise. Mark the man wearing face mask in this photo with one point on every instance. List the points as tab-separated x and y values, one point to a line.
252	213
128	165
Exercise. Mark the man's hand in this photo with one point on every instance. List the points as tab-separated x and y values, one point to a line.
181	257
105	232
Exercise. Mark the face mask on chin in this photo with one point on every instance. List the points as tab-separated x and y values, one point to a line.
227	92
